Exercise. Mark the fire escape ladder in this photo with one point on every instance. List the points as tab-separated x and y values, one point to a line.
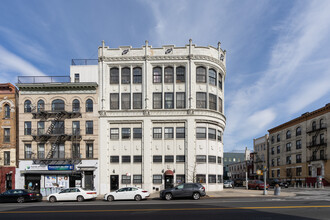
58	116
54	145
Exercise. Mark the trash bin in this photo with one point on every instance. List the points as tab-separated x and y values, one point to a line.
277	190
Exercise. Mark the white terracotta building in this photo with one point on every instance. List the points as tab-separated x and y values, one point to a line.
161	116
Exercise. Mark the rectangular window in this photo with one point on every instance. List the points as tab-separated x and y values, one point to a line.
298	171
219	135
114	101
309	171
220	105
298	158
273	151
114	133
180	74
201	178
125	159
200	100
298	144
219	160
28	151
180	100
273	162
58	127
59	151
212	77
273	173
76	150
6	135
288	172
125	75
220	81
288	146
114	159
212	133
157	100
125	101
76	127
137	159
201	158
168	75
157	75
288	160
89	150
200	75
125	179
168	133
157	133
169	158
89	127
137	133
169	100
7	158
137	100
157	159
220	179
27	128
278	161
137	179
278	149
41	151
180	179
137	75
212	102
180	132
200	133
212	159
157	179
125	133
212	178
76	77
180	158
114	76
278	173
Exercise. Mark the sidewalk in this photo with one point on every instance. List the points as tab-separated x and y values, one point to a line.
231	193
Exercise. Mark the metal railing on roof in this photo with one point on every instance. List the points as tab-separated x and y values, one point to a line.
43	79
77	62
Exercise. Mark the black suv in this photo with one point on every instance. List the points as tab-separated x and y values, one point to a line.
192	190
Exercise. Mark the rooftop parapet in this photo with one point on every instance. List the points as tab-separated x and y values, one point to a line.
43	79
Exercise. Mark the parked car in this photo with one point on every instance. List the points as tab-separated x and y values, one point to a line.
20	196
239	182
192	190
273	182
257	184
228	184
72	194
127	193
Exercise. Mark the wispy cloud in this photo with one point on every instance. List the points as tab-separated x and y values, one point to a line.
12	65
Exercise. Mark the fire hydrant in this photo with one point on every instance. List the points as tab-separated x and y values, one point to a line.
277	190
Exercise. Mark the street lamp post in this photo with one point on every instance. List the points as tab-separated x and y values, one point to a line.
265	180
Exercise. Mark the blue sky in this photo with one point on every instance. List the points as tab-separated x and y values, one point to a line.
277	51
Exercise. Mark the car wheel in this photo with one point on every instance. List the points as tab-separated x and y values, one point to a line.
20	199
110	198
196	196
168	196
52	199
80	198
137	198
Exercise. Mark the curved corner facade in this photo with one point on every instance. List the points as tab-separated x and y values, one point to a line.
161	116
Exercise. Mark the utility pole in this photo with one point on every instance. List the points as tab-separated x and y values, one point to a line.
265	180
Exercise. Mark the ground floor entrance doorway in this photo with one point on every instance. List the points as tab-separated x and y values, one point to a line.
114	182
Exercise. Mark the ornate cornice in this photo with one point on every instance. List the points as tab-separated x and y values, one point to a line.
56	86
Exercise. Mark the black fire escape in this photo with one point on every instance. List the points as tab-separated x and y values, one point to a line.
56	134
317	142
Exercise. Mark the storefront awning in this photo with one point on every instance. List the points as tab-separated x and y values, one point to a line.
49	172
86	168
169	173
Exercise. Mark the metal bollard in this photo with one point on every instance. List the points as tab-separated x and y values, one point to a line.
277	190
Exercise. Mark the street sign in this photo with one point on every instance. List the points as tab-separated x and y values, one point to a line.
259	172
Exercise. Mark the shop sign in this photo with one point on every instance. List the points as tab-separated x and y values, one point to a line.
36	167
61	167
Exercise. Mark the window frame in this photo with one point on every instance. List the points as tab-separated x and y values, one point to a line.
114	104
114	76
180	75
157	78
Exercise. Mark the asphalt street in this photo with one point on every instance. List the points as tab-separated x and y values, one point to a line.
237	208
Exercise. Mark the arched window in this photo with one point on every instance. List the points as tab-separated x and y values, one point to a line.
180	74
7	111
125	75
168	75
288	134
314	125
58	105
40	105
201	74
298	131
212	77
322	124
76	105
137	75
114	75
278	138
27	106
157	75
89	105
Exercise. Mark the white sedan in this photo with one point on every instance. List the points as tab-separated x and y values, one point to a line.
72	194
127	193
